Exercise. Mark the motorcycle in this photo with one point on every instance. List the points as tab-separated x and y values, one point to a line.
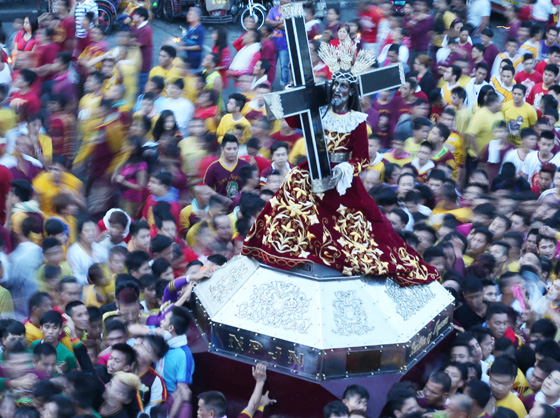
171	9
215	11
226	11
108	12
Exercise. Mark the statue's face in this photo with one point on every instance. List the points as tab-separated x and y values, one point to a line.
341	90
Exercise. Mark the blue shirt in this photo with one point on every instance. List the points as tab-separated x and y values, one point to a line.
278	35
178	364
195	36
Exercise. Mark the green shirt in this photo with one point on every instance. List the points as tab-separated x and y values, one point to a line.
62	355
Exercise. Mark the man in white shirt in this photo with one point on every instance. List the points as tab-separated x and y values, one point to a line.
182	108
477	82
511	54
478	16
535	160
260	72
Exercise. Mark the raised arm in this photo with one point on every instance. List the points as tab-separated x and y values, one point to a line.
259	373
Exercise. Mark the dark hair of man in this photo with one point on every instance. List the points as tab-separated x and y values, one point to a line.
11	327
70	307
128	351
397	397
94	313
353	390
548	348
504	366
545	327
159	243
218	259
66	280
51	317
114	325
45	389
137	226
441	378
36	299
171	51
43	350
180	319
135	259
239	98
229	138
214	401
28	411
335	409
479	392
158	344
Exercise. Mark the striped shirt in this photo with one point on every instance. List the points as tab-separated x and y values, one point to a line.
82	8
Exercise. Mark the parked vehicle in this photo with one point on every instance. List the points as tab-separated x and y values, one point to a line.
258	11
108	12
171	9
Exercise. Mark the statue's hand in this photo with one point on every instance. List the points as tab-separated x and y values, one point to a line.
336	174
342	177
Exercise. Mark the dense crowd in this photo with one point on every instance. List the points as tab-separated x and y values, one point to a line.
123	184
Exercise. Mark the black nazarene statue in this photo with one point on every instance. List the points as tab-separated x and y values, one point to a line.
336	223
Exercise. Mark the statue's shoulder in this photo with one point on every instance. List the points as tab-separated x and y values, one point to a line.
344	123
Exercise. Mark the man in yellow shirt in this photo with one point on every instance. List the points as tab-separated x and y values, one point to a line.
192	148
57	180
451	76
518	114
462	111
89	104
42	143
8	117
479	131
502	375
503	85
166	68
39	303
420	130
234	119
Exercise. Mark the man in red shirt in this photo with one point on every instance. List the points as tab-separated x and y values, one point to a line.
370	16
553	58
528	77
539	90
143	33
25	101
160	187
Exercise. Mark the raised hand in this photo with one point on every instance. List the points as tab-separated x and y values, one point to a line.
265	400
259	372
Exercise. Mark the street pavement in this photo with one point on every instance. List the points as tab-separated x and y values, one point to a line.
162	30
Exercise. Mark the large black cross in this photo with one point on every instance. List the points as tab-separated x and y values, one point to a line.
306	97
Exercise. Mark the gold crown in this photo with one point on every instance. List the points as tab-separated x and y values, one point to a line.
344	57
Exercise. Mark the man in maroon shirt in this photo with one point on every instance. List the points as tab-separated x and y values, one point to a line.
223	175
143	33
5	185
62	82
47	49
420	27
491	50
66	29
